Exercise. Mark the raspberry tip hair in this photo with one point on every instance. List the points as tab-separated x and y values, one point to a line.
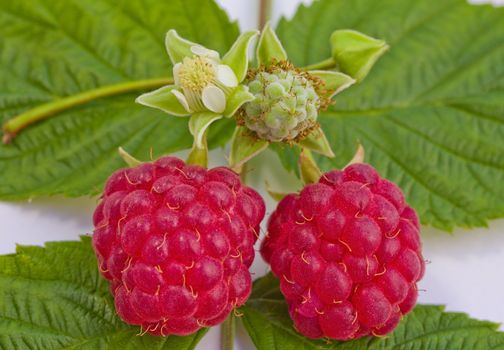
382	272
304	258
237	313
127	266
154	329
373	332
163	334
288	280
355	318
395	235
345	244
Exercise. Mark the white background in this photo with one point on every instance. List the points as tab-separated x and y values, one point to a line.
465	268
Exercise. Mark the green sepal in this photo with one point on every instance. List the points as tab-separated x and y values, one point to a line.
163	99
335	82
128	158
358	157
316	141
198	125
355	53
178	47
244	147
237	56
236	99
308	168
269	47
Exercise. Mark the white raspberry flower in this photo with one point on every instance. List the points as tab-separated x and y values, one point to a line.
206	86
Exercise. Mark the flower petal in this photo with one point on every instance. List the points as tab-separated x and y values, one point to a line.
335	82
176	69
164	99
355	53
182	99
214	99
203	51
269	47
177	47
237	56
226	76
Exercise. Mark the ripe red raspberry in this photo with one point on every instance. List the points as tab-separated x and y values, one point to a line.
347	252
176	242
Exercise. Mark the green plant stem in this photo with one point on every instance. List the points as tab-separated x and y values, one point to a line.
243	173
328	63
228	330
199	156
265	7
18	123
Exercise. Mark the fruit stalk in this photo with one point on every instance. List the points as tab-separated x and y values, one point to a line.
264	12
199	156
228	330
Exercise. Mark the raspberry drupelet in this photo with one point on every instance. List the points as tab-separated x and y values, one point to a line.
176	241
347	252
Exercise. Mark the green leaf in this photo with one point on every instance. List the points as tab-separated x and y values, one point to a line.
46	56
430	114
237	56
164	100
269	47
54	298
356	53
267	321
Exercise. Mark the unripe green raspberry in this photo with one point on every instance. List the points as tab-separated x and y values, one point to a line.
286	105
